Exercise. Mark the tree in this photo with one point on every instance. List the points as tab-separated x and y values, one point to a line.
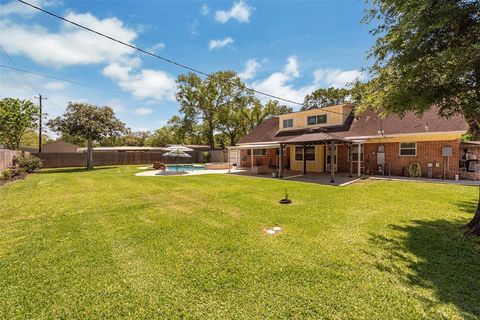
162	137
16	116
325	97
89	122
427	54
30	138
257	113
204	99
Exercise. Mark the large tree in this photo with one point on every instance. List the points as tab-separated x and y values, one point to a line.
201	100
16	117
89	122
325	97
427	54
256	112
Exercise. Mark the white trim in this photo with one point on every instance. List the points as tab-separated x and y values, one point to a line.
254	146
403	135
407	155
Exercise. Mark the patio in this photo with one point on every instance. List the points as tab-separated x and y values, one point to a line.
324	178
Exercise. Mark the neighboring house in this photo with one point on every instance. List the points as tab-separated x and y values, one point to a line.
384	146
58	146
124	149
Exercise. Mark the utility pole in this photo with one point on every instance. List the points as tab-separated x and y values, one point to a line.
40	98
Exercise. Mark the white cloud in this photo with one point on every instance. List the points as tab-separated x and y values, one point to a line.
55	85
251	67
143	111
292	69
204	10
336	77
69	45
220	43
239	11
148	84
15	7
157	47
281	83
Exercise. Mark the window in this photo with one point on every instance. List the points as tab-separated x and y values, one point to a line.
320	119
288	123
309	153
277	151
355	153
408	149
257	152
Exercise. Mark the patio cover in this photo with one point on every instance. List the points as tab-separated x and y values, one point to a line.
254	146
315	138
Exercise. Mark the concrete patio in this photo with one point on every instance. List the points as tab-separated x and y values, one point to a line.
341	179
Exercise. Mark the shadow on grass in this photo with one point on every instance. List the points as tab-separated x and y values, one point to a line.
72	170
435	255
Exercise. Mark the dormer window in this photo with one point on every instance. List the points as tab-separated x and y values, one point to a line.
288	123
320	119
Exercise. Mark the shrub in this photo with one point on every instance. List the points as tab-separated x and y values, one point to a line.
7	174
28	163
206	155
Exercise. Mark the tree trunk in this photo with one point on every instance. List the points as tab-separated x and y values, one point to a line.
473	227
473	126
90	154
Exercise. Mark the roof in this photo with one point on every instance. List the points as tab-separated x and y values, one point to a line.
123	148
369	124
314	137
366	125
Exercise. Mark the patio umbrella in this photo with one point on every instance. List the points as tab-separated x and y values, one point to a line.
175	147
177	153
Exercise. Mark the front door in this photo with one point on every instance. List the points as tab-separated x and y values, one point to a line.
328	160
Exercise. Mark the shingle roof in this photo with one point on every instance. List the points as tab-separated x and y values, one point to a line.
368	124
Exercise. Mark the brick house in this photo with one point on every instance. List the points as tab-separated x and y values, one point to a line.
333	139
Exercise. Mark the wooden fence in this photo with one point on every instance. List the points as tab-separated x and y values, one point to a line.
59	160
6	157
218	156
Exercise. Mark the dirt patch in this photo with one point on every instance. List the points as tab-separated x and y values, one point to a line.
19	177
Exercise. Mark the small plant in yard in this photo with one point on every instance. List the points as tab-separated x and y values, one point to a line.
28	163
206	155
7	174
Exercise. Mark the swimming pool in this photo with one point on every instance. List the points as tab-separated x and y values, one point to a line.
184	167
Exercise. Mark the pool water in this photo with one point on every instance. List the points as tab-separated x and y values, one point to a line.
184	167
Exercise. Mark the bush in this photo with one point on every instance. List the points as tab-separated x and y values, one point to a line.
206	155
28	163
7	174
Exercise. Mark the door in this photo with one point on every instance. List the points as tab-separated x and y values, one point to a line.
235	157
328	161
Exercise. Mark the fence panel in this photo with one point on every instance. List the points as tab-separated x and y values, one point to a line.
59	160
6	157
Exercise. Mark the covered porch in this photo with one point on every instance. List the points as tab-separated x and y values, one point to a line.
330	142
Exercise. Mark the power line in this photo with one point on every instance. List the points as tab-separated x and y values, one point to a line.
181	65
70	81
10	60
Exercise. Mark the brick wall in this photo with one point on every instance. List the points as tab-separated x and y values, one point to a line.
271	159
427	151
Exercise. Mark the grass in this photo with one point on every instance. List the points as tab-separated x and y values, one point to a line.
108	244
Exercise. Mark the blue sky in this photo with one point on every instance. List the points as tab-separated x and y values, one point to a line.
286	48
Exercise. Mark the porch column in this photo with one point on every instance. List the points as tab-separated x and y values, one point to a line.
350	160
304	159
251	159
359	146
332	164
280	162
228	159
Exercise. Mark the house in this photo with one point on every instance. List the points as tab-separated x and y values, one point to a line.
58	146
333	139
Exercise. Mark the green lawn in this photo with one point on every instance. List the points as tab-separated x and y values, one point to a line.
108	244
